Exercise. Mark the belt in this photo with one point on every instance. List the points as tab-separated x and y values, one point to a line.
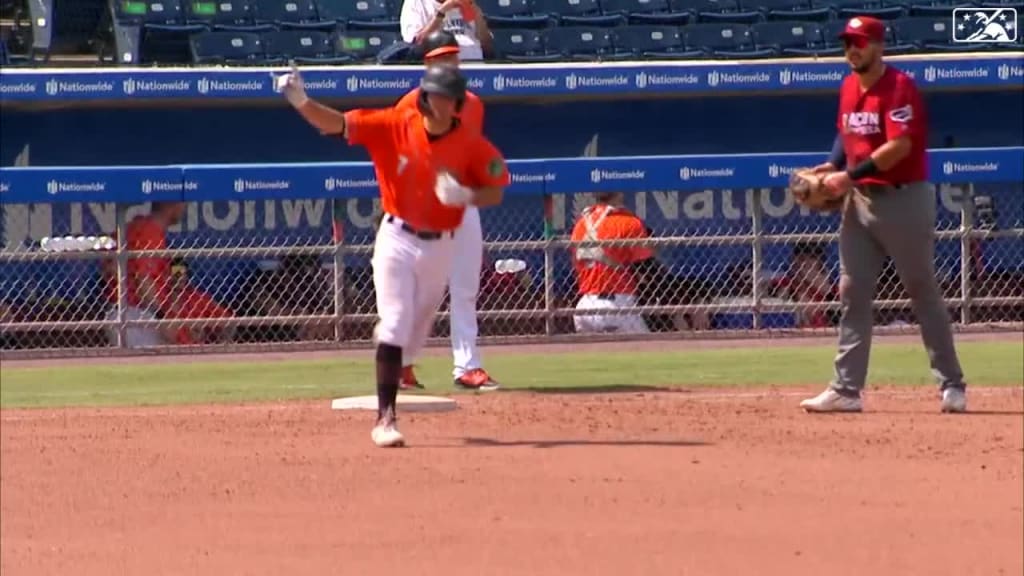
421	234
607	296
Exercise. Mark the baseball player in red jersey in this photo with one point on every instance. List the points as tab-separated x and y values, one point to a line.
442	49
430	169
880	157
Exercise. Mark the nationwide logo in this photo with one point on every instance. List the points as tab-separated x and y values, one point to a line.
356	84
206	86
20	88
716	78
322	84
775	170
935	73
950	168
243	185
475	83
686	173
598	175
150	186
5	187
502	82
788	76
131	86
331	184
643	80
55	87
1006	71
518	178
574	81
56	186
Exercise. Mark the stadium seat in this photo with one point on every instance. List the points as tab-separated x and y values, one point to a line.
290	14
513	14
1014	4
723	41
927	34
303	46
375	15
647	12
846	9
522	45
790	10
718	11
233	16
788	38
657	42
227	47
152	31
365	44
584	43
934	8
579	13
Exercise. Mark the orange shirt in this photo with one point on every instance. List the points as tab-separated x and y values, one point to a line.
594	277
143	233
407	161
472	113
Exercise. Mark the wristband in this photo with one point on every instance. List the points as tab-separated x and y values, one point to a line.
865	168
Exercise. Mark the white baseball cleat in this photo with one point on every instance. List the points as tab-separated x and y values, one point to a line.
386	435
954	400
831	401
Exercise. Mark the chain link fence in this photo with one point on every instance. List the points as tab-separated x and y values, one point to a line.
294	274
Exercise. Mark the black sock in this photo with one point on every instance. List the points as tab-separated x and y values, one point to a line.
389	372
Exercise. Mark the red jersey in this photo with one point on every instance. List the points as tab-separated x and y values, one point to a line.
471	115
143	233
891	108
406	160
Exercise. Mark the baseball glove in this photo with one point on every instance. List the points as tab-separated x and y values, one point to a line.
808	190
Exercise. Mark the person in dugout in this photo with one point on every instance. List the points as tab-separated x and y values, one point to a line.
607	277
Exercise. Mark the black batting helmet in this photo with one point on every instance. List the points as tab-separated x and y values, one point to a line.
444	80
439	43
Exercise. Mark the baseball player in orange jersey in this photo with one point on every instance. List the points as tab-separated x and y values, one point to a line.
430	169
442	49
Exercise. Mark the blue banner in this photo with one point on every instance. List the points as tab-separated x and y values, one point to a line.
201	183
936	71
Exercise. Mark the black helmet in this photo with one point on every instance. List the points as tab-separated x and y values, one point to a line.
444	80
439	43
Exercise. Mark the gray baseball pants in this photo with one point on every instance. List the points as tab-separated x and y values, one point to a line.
898	222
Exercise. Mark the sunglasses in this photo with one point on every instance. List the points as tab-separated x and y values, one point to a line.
858	42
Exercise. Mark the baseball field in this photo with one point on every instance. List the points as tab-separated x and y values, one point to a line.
665	458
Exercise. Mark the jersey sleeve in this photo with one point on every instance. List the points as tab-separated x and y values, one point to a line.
905	111
487	166
370	128
412	19
635	230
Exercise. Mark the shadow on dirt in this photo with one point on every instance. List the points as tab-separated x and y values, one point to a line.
493	443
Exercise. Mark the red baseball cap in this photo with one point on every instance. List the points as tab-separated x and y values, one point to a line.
865	27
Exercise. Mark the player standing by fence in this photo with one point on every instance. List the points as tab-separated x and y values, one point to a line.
429	168
883	135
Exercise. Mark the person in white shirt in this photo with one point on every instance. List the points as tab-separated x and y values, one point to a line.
462	18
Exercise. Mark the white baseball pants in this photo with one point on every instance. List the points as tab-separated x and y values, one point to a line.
593	321
409	277
463	287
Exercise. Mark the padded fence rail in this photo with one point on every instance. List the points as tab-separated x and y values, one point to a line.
278	255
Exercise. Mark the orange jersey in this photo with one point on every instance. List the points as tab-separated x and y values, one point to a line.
143	233
471	115
607	271
407	160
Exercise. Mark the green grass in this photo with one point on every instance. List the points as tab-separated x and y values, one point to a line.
986	364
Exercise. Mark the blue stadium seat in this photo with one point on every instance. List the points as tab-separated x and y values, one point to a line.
152	31
366	44
846	9
934	8
1015	4
362	15
584	43
927	34
789	9
656	42
522	45
227	47
290	14
788	38
579	13
718	11
723	41
513	14
233	15
303	46
648	12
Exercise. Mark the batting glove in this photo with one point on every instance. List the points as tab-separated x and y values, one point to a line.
290	84
450	192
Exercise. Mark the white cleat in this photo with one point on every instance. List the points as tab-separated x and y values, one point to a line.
831	401
954	400
386	435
